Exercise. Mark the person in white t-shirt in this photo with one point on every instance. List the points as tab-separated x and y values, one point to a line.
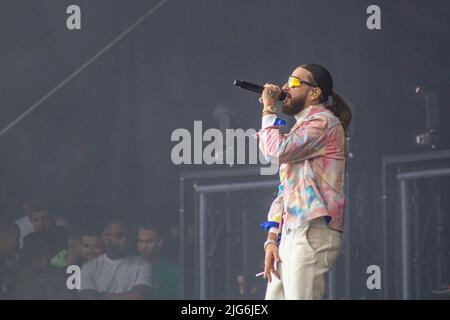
117	274
37	218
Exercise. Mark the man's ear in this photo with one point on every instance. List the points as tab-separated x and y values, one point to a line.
316	92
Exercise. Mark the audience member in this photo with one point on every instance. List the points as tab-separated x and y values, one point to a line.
165	274
34	277
9	245
116	274
38	218
82	246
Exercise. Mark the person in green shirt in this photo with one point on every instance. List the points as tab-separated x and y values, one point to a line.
165	274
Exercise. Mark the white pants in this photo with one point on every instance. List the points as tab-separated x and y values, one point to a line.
307	253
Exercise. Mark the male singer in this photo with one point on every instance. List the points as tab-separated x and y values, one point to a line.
307	214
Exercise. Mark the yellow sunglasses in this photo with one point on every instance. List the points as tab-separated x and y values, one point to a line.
294	82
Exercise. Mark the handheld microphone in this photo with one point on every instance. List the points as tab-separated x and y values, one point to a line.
255	88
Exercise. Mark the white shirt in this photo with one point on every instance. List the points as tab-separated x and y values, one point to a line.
107	275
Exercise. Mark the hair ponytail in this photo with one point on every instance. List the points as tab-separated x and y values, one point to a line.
341	110
324	81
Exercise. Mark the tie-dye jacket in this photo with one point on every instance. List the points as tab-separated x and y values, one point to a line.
312	169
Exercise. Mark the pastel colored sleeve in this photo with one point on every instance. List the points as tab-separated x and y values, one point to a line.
303	142
275	213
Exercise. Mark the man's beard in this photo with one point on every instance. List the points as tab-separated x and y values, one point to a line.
294	107
118	251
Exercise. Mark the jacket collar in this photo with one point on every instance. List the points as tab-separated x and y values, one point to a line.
309	111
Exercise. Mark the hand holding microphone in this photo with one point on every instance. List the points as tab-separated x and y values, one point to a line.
269	97
255	88
270	93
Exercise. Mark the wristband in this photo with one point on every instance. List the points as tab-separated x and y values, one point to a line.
270	109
